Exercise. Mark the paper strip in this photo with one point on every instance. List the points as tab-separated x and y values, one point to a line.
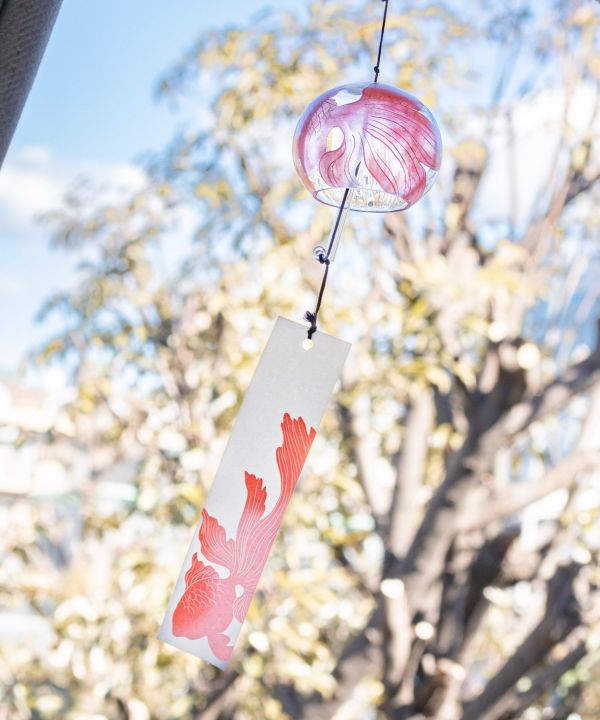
263	459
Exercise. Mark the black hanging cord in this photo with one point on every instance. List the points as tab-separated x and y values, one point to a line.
321	254
376	68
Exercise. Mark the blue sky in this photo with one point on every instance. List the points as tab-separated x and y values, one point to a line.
93	96
91	111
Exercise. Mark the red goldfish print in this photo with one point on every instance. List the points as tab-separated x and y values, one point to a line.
389	131
210	602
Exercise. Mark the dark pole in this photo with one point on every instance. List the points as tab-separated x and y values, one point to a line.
25	27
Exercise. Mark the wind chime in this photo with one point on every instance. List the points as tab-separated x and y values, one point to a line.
368	147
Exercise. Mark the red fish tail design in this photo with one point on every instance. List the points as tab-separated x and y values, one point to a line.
246	541
214	544
395	137
209	602
255	536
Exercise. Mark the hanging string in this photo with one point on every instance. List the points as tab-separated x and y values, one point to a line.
376	68
322	255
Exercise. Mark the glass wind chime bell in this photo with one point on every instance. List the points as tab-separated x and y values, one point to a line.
377	140
365	146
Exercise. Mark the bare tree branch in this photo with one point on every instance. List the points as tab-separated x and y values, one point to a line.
219	699
493	424
562	615
404	516
352	425
504	502
556	394
515	703
397	637
458	625
361	657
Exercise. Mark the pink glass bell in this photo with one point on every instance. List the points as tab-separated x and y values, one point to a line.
375	139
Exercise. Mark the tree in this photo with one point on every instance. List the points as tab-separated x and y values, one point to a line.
417	574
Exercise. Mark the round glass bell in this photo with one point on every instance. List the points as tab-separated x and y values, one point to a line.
379	142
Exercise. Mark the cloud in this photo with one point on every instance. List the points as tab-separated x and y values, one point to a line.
28	186
33	181
10	286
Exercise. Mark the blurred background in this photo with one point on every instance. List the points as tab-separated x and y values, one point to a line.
440	556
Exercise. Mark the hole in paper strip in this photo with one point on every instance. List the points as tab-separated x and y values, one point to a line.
307	343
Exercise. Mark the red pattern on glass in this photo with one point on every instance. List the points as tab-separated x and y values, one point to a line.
209	602
375	139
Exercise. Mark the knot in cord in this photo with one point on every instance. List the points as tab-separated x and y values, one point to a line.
311	317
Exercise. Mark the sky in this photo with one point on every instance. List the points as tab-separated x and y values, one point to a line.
91	112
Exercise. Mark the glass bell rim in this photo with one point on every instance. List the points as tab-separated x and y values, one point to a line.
396	203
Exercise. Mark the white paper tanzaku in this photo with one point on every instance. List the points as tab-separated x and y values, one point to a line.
263	459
